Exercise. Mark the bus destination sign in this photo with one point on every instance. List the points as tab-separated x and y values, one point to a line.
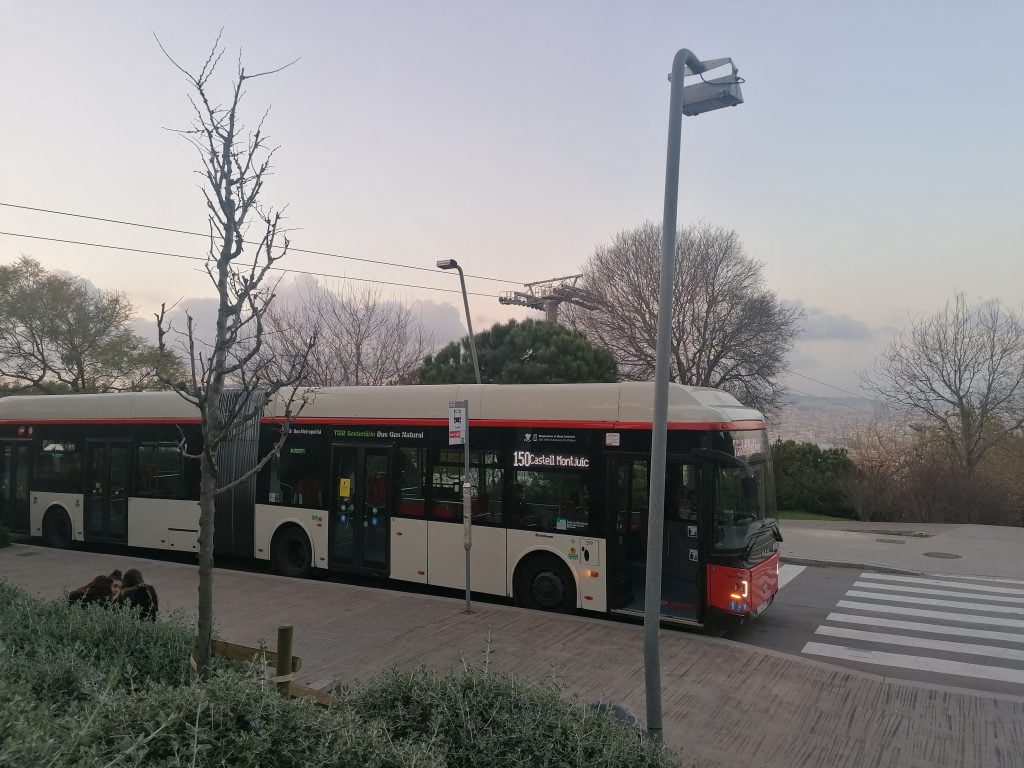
527	459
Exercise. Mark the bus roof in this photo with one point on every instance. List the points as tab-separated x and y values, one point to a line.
624	404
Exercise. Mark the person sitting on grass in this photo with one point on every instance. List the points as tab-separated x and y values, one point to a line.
135	593
100	590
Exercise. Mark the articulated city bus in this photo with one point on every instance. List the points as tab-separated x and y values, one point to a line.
366	482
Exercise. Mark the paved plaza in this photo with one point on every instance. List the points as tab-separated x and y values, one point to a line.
726	703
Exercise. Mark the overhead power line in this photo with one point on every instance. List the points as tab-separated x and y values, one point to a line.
275	269
833	386
123	222
832	401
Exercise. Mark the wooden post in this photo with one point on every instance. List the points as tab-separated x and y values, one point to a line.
284	659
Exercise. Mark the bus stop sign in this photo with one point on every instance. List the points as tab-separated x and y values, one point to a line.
457	413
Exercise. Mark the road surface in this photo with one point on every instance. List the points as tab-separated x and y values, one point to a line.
957	631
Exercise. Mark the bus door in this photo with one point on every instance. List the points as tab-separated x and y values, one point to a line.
361	480
106	489
682	575
14	462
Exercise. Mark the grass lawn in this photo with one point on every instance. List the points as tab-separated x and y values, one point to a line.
794	515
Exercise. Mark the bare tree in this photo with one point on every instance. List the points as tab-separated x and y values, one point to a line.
362	338
883	454
728	329
961	371
912	476
235	164
59	333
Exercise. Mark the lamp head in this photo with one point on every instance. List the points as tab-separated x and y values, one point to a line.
448	264
712	93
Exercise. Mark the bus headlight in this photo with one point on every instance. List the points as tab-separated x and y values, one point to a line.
740	590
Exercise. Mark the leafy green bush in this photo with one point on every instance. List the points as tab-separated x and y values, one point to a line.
236	720
59	649
479	719
86	686
5	536
812	479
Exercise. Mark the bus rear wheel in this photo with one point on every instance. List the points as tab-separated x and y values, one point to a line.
291	553
544	583
57	528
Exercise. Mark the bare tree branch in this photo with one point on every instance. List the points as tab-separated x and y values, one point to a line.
362	339
229	380
962	371
728	330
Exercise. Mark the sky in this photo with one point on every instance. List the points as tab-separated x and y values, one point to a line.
874	168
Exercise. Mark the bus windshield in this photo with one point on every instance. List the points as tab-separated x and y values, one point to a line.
744	495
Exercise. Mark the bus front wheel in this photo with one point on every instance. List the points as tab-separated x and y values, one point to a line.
545	583
57	529
291	553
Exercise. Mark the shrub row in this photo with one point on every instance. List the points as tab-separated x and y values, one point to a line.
86	686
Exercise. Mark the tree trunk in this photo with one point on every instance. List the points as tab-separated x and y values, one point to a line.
207	494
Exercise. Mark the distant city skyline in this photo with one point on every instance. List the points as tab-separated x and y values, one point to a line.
874	169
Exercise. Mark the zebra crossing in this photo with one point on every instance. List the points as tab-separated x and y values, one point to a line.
950	628
789	572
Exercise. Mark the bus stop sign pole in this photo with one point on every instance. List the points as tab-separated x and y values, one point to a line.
458	434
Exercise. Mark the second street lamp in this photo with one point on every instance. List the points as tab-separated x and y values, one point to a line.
467	488
453	264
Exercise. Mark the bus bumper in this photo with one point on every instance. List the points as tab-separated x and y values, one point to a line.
736	595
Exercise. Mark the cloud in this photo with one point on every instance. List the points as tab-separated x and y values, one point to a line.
821	325
442	319
204	315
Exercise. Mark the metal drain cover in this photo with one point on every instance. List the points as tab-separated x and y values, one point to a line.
943	555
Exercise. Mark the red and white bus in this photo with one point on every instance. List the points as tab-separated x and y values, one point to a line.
366	482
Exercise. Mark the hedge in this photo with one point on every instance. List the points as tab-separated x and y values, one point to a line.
91	687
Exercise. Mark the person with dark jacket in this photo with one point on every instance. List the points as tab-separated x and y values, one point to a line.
135	593
102	589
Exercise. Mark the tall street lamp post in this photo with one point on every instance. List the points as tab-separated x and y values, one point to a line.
690	100
453	264
467	488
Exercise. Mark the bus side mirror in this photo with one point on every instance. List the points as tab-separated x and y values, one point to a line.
749	487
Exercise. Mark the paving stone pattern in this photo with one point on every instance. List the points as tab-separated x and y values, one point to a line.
725	704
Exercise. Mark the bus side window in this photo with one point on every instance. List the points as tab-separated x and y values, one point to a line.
159	471
295	475
58	466
553	501
488	487
411	466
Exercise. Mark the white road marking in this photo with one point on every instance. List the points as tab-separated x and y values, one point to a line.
1009	609
941	583
964	618
789	572
922	663
918	626
915	590
992	651
997	579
